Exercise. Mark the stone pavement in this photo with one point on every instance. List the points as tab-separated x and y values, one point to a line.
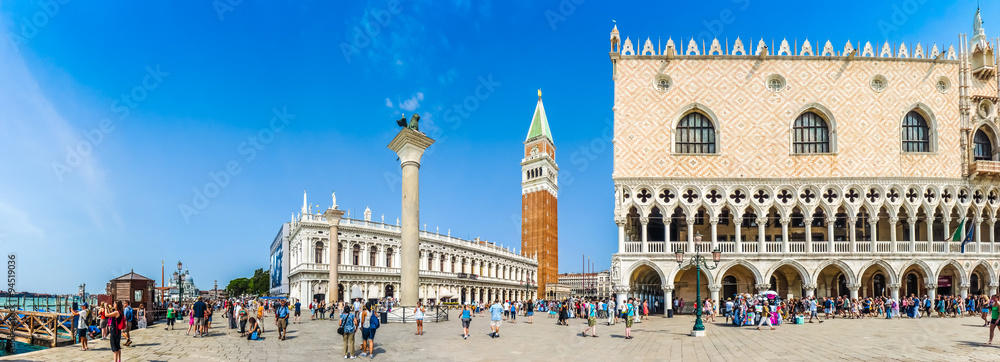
657	338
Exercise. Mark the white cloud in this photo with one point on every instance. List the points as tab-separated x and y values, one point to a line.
388	103
413	103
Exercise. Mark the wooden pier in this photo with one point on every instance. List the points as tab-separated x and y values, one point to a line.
37	328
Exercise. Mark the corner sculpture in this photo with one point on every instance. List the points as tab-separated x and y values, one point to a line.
413	122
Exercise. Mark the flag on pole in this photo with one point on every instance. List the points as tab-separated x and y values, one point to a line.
957	235
968	236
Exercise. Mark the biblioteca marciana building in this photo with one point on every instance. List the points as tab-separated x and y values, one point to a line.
451	269
816	169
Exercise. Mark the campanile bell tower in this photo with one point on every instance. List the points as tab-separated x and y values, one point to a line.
539	196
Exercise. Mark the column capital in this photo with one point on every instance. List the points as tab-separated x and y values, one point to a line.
911	220
668	288
666	220
894	220
620	221
895	285
807	220
831	219
644	220
761	220
713	220
409	145
714	288
738	221
763	286
333	216
930	286
784	221
810	286
979	219
993	284
689	220
964	286
873	219
854	287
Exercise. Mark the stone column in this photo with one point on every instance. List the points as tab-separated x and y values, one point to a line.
912	221
852	235
930	230
963	290
690	232
784	234
894	291
992	288
621	234
409	145
893	221
873	221
333	217
714	292
931	290
808	220
644	221
830	221
761	248
714	223
979	238
854	290
993	224
668	298
810	290
738	224
666	233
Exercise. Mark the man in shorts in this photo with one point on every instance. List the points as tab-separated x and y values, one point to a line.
812	310
81	326
591	319
496	313
629	317
199	317
281	319
298	312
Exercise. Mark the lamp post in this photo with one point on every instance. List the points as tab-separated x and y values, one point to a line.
527	287
698	262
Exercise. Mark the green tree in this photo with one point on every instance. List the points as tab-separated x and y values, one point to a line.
238	287
260	284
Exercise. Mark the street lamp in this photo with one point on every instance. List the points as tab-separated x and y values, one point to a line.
698	262
527	287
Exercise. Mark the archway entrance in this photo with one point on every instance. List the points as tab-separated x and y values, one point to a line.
737	279
832	281
979	280
389	289
786	280
646	285
685	287
914	281
874	280
947	280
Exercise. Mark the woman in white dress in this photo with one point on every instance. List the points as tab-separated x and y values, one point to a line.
141	315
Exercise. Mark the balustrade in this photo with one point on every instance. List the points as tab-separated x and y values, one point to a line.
656	246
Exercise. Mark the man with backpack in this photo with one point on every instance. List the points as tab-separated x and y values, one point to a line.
369	323
281	319
129	316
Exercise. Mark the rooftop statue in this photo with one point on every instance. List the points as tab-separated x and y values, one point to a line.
413	122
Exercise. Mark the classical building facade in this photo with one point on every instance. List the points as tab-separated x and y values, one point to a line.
588	285
539	198
451	269
816	170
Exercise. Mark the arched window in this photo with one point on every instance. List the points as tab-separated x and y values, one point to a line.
810	134
695	134
430	261
442	264
357	254
319	251
371	256
388	258
984	147
916	134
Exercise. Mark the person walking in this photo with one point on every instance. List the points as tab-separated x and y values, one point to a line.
496	315
129	317
994	308
171	314
298	312
281	319
348	322
612	312
766	314
418	314
199	317
530	311
190	321
466	320
629	318
513	313
591	320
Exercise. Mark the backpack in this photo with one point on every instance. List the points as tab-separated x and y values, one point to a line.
90	318
374	323
128	313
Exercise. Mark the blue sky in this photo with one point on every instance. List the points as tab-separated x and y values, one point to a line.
112	114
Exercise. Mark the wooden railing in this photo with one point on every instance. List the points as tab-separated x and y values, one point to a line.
37	328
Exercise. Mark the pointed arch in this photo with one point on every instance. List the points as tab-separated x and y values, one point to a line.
989	270
893	278
701	129
752	268
807	278
918	125
958	267
646	262
674	271
840	265
805	117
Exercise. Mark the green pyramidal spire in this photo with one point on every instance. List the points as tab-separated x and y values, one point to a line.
539	123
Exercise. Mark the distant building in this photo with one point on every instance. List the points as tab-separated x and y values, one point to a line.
540	198
186	284
589	285
557	291
279	265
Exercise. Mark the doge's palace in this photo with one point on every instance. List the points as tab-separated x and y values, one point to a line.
816	169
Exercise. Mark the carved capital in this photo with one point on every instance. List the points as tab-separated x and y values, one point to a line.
644	220
668	288
831	219
808	220
761	220
763	286
714	288
689	220
894	220
810	287
911	220
964	286
666	220
713	220
738	221
873	219
895	285
784	221
930	286
854	286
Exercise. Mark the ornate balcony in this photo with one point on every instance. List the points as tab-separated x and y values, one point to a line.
984	168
